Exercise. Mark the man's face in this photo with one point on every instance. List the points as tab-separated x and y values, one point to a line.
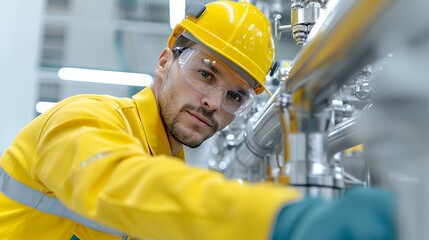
192	116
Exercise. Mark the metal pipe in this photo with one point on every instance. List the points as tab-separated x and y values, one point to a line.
334	50
317	72
262	131
343	136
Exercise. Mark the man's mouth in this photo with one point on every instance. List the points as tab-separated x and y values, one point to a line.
201	119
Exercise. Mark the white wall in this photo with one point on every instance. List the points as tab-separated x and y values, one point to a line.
20	33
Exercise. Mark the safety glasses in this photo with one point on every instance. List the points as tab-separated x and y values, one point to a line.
204	73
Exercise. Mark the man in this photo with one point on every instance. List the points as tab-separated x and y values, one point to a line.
99	167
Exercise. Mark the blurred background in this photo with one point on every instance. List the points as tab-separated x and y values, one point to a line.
39	37
363	68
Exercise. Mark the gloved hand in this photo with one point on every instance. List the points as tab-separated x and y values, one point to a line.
361	214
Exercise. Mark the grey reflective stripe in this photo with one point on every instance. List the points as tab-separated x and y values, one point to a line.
23	194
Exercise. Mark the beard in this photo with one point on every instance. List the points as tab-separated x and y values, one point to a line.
171	120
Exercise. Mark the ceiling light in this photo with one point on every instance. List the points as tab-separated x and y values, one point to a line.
101	76
177	12
42	107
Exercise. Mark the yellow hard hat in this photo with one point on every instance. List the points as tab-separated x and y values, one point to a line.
238	31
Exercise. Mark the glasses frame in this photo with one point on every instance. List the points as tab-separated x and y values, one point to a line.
183	61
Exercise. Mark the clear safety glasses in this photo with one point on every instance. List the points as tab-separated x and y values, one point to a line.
204	73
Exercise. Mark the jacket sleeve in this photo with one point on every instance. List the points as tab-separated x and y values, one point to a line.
87	158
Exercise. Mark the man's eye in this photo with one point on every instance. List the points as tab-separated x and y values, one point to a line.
206	75
235	96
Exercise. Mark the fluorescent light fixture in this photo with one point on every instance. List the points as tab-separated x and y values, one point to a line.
42	107
177	12
101	76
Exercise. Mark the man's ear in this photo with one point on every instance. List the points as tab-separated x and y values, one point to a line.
164	62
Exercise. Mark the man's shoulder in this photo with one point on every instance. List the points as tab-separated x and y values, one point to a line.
87	99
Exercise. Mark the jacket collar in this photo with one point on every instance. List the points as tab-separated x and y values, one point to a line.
153	127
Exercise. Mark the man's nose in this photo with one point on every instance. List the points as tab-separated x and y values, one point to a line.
213	100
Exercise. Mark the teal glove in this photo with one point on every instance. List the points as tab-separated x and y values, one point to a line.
361	214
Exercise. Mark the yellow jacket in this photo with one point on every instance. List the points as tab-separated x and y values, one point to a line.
109	159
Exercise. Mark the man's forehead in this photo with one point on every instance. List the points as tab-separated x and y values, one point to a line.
247	76
207	54
217	63
206	59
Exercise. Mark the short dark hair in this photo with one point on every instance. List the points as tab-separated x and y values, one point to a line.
183	41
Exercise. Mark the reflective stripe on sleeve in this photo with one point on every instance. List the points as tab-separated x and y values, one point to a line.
23	194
